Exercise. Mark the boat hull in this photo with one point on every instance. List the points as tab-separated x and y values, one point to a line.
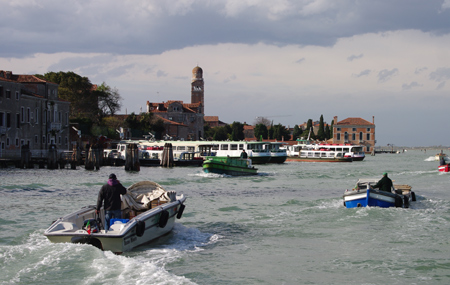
121	237
320	159
374	198
229	166
444	168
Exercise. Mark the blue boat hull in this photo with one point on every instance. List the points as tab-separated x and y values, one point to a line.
372	198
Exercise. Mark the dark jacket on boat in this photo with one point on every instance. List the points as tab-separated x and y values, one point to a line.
110	193
385	184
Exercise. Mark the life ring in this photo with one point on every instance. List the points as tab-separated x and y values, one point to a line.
413	196
163	219
140	228
398	201
180	211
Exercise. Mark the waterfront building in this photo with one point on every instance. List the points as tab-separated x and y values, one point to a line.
31	114
355	131
184	120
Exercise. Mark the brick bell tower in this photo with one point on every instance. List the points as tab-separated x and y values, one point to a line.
197	87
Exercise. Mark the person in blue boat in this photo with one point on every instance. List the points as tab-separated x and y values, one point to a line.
385	183
109	196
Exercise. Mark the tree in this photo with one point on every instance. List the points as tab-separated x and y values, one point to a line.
327	132
297	132
261	131
158	127
237	131
108	100
77	90
220	134
331	129
281	132
271	132
321	131
262	120
310	129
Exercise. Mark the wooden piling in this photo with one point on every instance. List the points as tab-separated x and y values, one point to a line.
52	158
132	158
167	156
25	157
93	159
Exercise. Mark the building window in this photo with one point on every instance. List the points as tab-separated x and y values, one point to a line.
36	117
43	139
368	129
368	148
18	120
22	114
22	142
353	137
368	137
59	140
2	119
338	137
8	120
354	129
36	140
8	94
7	142
17	95
67	119
1	91
360	136
28	115
338	129
17	142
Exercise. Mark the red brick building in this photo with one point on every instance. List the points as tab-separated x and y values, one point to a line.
355	131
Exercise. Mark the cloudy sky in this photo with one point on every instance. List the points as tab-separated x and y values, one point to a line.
286	60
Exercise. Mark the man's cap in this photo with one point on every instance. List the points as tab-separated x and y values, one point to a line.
385	173
112	176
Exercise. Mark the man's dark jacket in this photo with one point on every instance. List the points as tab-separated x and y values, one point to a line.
385	184
111	195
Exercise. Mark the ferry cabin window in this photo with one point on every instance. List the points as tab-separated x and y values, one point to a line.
215	147
323	154
317	154
181	148
191	148
233	147
223	147
241	146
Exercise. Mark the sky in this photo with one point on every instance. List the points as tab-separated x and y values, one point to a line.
285	60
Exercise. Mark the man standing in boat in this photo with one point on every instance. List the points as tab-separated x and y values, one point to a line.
110	195
385	183
244	154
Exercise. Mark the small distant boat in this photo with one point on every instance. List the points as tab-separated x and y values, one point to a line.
440	155
363	195
148	212
229	165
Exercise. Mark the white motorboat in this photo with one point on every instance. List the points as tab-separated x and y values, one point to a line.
148	212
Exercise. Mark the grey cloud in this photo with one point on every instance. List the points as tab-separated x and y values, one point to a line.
300	60
440	74
153	26
410	86
385	75
363	73
441	85
420	70
161	73
353	57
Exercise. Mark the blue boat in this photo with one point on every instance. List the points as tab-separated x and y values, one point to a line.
363	195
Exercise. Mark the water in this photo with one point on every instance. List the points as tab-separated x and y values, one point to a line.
287	225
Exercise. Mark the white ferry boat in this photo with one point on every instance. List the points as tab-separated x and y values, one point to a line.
356	152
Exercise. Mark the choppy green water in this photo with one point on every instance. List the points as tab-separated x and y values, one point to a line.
287	225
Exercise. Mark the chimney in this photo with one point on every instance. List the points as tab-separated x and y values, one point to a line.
373	120
335	120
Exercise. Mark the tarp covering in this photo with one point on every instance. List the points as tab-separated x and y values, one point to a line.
140	195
